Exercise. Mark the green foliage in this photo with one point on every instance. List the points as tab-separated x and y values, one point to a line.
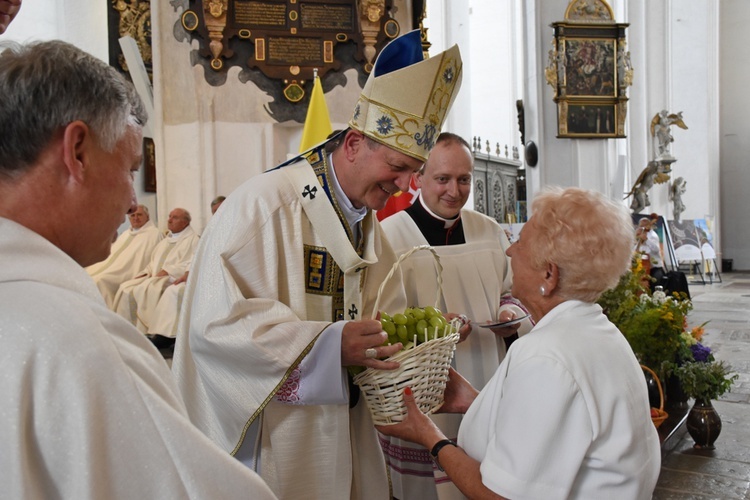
656	329
705	380
652	325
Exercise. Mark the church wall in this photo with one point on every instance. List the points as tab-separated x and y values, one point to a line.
674	52
212	138
489	35
83	24
735	132
63	20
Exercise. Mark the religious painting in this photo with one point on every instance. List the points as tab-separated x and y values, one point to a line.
589	71
591	120
705	238
590	67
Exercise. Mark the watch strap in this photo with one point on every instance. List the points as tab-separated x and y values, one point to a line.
439	446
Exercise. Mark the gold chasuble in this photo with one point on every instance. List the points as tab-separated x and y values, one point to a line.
275	267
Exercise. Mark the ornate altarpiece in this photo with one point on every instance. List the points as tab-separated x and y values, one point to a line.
589	71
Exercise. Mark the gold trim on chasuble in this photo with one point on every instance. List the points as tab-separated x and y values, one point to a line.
322	275
275	390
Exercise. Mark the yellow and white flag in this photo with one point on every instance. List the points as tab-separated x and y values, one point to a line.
317	122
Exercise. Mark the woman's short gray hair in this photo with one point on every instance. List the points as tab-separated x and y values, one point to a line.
44	86
588	236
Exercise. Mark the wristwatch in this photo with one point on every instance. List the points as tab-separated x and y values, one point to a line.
436	449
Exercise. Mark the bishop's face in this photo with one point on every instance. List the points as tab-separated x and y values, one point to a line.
375	172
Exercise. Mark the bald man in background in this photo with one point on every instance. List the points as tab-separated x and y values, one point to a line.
136	299
162	328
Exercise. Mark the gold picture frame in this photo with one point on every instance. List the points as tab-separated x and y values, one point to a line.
589	70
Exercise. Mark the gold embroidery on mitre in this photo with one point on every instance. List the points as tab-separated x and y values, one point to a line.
386	119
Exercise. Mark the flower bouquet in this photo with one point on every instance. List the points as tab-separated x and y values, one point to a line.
653	324
701	376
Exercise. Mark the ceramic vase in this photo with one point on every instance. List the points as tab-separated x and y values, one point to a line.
703	424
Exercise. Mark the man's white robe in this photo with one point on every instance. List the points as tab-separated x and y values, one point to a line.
167	312
89	407
137	298
476	275
250	322
130	254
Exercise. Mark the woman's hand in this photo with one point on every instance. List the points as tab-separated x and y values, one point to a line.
416	426
459	394
506	331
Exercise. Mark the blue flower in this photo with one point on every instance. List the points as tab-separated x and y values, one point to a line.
701	353
385	125
356	112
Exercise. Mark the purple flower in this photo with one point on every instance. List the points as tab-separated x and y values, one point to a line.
701	352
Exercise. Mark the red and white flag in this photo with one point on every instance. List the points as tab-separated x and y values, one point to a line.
399	201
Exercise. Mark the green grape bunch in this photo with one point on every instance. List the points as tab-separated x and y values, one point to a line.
415	326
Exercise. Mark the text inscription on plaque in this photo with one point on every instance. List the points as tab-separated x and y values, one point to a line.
297	50
326	17
259	14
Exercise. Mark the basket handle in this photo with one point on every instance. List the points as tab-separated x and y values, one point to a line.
658	384
395	267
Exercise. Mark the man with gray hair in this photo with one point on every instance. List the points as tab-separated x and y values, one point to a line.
137	298
89	406
130	254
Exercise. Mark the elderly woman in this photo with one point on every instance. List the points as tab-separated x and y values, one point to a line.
566	415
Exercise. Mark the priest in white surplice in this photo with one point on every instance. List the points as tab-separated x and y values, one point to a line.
130	254
163	324
282	290
136	299
476	276
89	408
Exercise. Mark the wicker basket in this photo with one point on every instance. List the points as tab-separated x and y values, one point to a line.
424	367
662	415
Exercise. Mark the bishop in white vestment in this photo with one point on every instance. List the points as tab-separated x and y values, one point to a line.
282	292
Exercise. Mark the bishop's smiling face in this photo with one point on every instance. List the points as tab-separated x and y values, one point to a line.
377	173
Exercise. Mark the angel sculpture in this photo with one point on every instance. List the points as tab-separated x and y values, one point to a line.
654	173
660	131
678	188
